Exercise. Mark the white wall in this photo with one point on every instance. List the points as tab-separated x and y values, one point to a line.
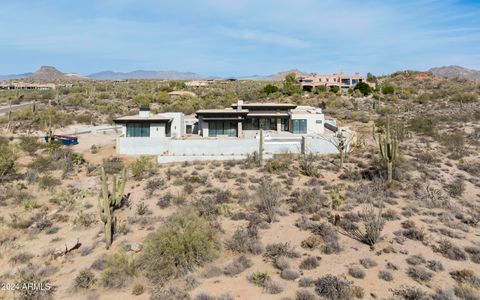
313	128
157	129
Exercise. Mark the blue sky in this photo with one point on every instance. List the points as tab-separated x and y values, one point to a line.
240	37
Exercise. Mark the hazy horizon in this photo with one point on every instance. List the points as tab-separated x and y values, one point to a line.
243	38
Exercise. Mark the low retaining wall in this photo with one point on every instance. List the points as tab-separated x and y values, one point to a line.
171	150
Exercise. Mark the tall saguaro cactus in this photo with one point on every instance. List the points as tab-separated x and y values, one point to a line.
109	201
388	146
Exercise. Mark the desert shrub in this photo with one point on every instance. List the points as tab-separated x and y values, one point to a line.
113	165
333	287
423	124
171	293
165	200
118	269
45	293
212	271
306	282
411	293
474	252
21	258
419	274
373	223
85	280
435	265
356	272
273	287
269	195
185	242
138	289
456	188
30	144
142	167
259	278
7	161
310	263
385	275
467	292
273	251
48	182
282	263
153	185
237	266
304	295
307	201
449	250
245	240
466	276
416	260
289	274
276	165
432	197
368	263
204	296
329	236
308	165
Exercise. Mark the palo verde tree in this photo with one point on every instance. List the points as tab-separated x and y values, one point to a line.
291	85
110	201
364	88
387	140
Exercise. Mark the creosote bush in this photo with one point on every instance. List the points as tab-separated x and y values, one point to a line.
117	270
185	242
85	280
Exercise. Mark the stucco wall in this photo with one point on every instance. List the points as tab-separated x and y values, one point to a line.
216	147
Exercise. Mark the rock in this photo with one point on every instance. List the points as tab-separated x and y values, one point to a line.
71	244
135	247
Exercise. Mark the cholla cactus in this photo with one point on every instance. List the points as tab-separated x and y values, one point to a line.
109	201
388	146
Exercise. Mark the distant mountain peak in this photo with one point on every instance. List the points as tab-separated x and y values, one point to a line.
455	71
49	73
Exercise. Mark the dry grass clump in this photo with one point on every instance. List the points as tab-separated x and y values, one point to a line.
310	263
368	263
264	280
237	266
273	251
411	231
289	274
411	293
474	252
419	274
356	272
245	240
85	280
435	265
333	287
416	260
329	237
449	250
304	295
385	275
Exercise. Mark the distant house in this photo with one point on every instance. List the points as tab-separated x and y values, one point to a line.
340	80
180	94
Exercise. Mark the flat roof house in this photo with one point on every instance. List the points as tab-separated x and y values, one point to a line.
246	119
146	124
341	80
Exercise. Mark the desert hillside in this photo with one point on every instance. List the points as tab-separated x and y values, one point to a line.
298	226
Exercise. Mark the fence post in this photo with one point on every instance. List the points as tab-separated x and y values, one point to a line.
304	145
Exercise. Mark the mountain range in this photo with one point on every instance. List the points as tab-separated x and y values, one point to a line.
48	73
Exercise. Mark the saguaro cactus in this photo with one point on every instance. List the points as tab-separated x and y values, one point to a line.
388	146
109	201
260	148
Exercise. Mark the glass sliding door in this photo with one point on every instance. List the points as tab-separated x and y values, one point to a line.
138	129
216	128
299	126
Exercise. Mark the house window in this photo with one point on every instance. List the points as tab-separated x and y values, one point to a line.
138	129
189	129
299	126
284	124
216	128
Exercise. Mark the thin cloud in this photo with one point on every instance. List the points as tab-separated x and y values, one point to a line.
271	38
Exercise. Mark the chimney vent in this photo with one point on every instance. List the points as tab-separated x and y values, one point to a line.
239	104
144	112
